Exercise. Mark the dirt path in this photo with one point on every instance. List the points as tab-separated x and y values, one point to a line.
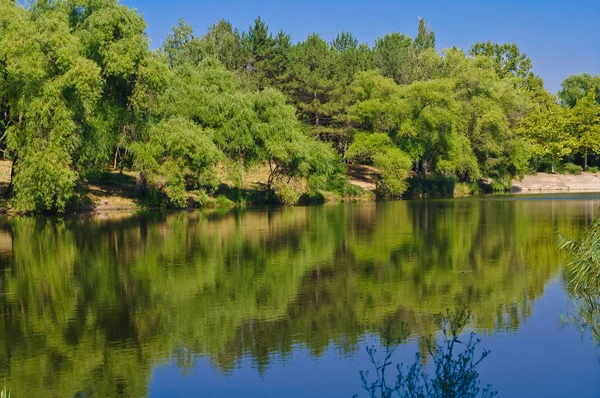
363	176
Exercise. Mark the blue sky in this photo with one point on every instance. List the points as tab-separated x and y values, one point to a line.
561	37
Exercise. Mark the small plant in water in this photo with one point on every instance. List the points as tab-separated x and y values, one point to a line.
455	370
583	273
582	279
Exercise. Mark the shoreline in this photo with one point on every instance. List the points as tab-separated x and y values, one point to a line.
546	183
116	197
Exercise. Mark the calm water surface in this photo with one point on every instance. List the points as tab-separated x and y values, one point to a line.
283	302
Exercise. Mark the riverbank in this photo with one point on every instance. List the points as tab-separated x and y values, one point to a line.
542	183
117	191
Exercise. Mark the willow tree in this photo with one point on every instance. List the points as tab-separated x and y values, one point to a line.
112	35
57	91
248	127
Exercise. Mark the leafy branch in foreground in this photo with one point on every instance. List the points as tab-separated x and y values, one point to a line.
455	373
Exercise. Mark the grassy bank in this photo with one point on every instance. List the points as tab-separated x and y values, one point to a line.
116	190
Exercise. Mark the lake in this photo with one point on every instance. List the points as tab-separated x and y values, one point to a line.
284	302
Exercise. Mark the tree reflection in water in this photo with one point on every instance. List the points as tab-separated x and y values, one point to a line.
91	305
454	359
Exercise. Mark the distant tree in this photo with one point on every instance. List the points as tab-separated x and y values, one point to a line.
392	54
585	118
508	59
259	47
576	87
546	126
223	42
425	37
344	41
177	42
311	85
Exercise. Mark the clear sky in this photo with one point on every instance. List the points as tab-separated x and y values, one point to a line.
561	37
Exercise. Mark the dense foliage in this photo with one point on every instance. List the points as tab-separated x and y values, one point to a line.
81	92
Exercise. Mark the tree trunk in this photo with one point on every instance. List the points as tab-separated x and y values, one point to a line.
10	188
585	160
316	113
5	110
115	158
552	164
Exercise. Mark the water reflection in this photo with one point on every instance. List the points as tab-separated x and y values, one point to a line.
582	279
91	305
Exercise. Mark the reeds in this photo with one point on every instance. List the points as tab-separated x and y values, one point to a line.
583	273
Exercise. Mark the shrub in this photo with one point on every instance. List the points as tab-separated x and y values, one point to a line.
223	201
497	186
287	194
571	168
594	169
43	181
583	272
436	185
394	166
466	188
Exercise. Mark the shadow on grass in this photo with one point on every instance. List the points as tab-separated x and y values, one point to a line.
108	189
257	194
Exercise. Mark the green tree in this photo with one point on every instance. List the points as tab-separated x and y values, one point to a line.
259	46
55	119
178	42
113	37
576	87
311	84
585	118
508	59
546	127
177	148
391	55
425	37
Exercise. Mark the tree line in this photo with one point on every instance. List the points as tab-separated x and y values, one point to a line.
82	92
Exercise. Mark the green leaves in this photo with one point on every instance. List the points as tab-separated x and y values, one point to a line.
546	126
44	180
176	147
394	166
77	77
576	87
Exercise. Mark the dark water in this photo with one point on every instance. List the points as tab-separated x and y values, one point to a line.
283	302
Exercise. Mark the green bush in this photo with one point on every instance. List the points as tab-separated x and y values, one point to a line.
571	168
352	190
497	186
287	194
223	201
466	188
394	166
436	185
594	169
44	181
